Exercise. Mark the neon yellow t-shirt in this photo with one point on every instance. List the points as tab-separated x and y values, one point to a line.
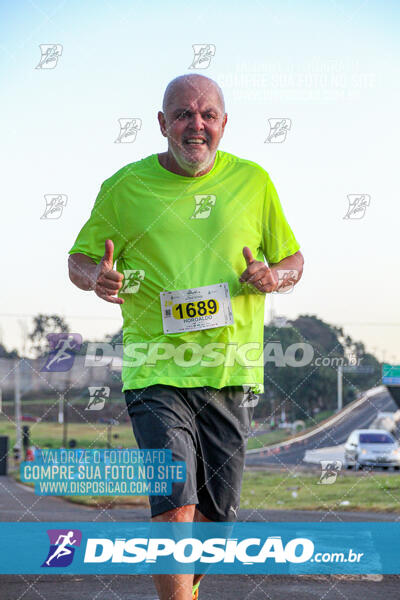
172	232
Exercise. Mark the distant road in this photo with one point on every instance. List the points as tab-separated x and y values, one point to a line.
358	415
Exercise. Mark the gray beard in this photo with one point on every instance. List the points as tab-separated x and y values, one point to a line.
194	167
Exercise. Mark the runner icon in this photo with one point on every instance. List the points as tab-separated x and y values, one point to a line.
68	343
62	549
99	396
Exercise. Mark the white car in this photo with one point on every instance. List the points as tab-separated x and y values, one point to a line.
371	448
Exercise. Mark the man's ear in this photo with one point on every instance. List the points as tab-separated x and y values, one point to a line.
161	120
224	121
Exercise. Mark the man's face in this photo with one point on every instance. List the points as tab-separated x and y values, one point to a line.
194	124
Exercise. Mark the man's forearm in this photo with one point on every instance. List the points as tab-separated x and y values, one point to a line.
82	271
290	263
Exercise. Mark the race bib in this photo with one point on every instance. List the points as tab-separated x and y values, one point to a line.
203	307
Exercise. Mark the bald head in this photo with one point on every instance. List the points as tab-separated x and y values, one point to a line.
193	120
202	85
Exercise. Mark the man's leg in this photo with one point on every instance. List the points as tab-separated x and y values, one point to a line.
175	587
219	417
162	419
199	518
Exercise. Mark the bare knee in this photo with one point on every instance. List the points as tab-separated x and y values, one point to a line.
199	517
181	514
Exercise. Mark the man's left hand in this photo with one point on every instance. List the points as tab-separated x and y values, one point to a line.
258	274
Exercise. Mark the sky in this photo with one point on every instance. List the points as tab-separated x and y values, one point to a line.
330	68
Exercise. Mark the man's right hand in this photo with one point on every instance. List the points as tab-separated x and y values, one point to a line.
108	282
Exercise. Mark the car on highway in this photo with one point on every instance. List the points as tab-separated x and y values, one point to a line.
371	448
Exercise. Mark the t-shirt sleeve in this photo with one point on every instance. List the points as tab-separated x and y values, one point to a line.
278	240
102	225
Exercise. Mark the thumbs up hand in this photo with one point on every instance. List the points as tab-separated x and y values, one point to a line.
108	281
258	274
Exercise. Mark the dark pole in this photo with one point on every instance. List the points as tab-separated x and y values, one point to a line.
65	422
109	434
65	409
25	439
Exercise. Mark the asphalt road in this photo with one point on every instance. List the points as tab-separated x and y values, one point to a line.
221	587
18	503
288	455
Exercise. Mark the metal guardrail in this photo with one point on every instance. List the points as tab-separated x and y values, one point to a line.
331	421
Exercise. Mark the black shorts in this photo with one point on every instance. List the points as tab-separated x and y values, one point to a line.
207	428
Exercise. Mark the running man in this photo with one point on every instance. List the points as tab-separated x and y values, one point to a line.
188	364
62	549
98	397
62	347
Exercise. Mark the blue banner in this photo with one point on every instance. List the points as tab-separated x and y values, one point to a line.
99	472
248	548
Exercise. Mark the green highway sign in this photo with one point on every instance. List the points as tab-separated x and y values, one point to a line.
391	374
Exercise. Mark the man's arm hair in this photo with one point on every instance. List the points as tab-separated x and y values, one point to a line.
294	262
82	271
